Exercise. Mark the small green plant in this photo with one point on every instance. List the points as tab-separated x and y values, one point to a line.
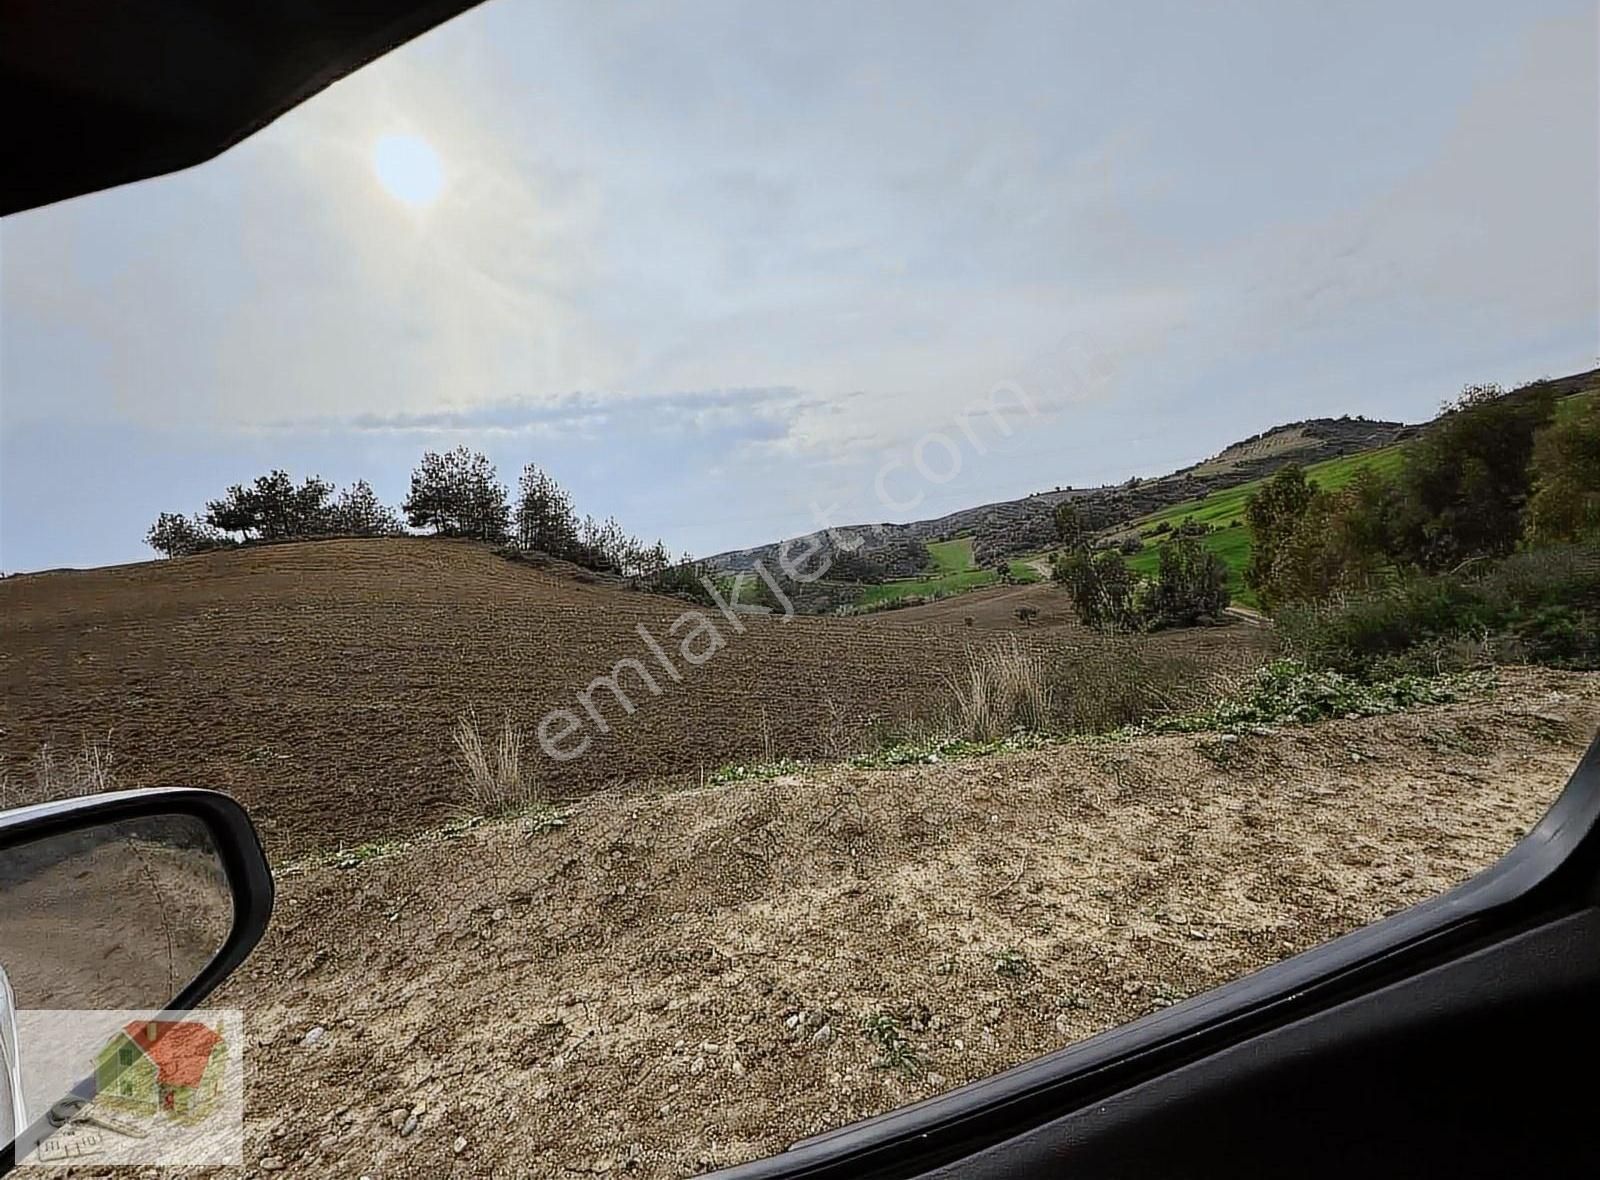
1011	962
1289	692
360	854
929	752
543	819
745	772
895	1050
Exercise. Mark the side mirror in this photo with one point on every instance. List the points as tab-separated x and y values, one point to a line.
118	913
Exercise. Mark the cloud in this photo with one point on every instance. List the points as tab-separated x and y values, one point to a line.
751	414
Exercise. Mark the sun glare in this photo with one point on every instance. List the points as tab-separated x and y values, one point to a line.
408	168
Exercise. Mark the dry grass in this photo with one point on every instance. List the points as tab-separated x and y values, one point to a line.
1004	687
492	770
47	776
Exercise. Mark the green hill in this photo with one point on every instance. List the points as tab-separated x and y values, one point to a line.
1224	512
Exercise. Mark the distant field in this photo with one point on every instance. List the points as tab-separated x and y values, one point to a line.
954	572
1224	511
1222	508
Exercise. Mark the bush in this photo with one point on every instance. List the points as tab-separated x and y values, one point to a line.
1541	605
1465	482
1566	476
1191	586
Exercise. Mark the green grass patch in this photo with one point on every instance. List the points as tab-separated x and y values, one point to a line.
1224	512
934	750
953	572
952	557
1224	507
940	586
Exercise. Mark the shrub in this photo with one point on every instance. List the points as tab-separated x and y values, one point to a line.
1339	542
1465	482
1565	505
1542	605
1191	585
1102	589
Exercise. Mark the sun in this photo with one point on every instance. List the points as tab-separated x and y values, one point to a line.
409	169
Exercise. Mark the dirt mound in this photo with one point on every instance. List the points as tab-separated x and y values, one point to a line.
318	682
650	986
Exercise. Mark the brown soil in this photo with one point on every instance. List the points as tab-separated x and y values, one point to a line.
319	682
643	990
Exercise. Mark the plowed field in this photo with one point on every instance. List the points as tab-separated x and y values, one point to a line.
319	682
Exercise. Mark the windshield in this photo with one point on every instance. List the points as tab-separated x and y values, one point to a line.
753	565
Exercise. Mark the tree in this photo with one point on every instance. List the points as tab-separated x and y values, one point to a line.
1069	526
359	513
1342	542
544	516
1273	514
1102	588
458	494
174	535
1191	585
1565	505
1464	485
272	508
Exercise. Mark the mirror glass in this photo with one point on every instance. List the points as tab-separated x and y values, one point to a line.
99	922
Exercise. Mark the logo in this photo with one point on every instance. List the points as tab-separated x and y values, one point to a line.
148	1091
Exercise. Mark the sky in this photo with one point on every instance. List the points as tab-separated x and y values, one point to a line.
733	271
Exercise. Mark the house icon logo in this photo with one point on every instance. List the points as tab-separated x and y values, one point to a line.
171	1068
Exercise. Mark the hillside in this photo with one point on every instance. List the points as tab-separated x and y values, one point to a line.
1212	491
1011	527
319	682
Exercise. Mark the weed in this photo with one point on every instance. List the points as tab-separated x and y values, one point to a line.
543	819
1288	692
895	1050
1004	687
930	751
1011	962
89	771
744	772
493	776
